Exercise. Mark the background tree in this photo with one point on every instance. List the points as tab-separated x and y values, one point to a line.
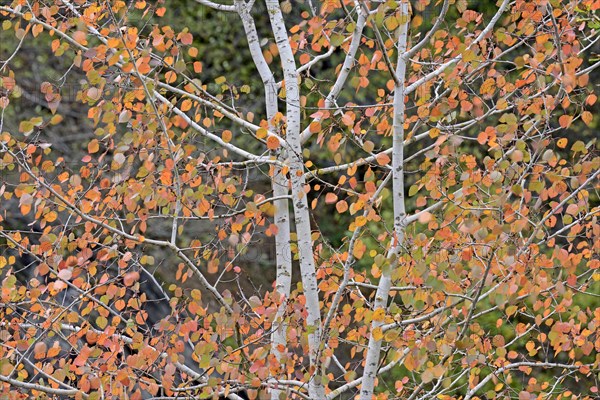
424	175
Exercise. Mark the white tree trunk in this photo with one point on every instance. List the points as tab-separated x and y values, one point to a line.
316	389
279	183
383	289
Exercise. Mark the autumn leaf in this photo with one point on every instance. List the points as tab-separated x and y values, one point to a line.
565	121
401	213
272	143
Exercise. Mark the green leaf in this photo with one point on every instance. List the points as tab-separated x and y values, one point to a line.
101	322
337	39
414	189
26	127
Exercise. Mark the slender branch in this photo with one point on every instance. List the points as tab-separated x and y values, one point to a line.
212	136
217	6
438	71
41	388
350	261
477	296
500	370
592	178
381	44
139	239
345	70
438	22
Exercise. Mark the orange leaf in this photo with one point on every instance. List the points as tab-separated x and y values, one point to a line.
361	220
482	138
113	43
130	278
51	216
186	105
226	135
383	159
572	209
272	143
170	77
565	121
40	350
93	146
587	117
25	208
341	206
186	38
562	143
80	37
314	127
304	58
144	68
591	99
330	198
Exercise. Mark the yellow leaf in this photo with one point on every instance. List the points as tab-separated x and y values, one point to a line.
361	220
379	314
377	333
101	322
51	216
261	133
196	294
510	310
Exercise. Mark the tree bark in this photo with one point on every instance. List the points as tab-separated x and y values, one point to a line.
279	183
316	389
383	289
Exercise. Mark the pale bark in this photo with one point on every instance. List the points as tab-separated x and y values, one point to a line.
300	203
42	388
279	183
385	282
283	281
217	6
